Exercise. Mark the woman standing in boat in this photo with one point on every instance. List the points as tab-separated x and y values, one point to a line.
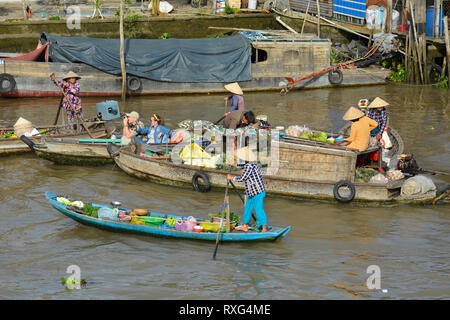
254	188
377	111
71	101
237	99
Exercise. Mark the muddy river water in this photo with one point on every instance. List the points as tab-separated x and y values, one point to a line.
325	255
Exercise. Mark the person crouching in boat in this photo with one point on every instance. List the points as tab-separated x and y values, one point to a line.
377	111
237	99
240	119
131	125
71	101
254	189
360	129
157	132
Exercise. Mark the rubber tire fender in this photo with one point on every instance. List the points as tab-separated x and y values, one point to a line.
111	151
134	84
331	76
10	79
340	184
202	175
27	141
434	68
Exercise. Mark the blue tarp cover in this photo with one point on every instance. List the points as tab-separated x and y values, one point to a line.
226	59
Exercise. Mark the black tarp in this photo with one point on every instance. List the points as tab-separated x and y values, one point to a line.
226	59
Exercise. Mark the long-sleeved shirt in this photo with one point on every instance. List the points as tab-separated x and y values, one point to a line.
380	117
360	133
72	91
253	179
237	102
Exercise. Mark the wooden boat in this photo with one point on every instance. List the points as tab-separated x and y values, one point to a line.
273	58
163	230
16	145
73	151
304	169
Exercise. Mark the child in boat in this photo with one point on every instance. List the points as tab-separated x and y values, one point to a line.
157	132
360	129
71	101
254	188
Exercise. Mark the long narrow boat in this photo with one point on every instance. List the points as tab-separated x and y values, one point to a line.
73	151
163	230
14	145
304	169
259	63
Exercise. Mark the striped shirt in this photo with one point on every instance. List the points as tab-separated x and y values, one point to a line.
252	176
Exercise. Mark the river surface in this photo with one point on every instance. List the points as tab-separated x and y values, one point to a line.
324	256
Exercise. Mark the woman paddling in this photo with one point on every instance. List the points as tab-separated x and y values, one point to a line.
71	102
254	188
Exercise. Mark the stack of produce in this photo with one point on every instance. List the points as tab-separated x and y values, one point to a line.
364	174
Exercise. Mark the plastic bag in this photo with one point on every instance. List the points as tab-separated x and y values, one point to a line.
378	178
108	213
417	185
385	140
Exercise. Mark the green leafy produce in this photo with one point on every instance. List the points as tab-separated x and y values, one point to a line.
90	210
233	217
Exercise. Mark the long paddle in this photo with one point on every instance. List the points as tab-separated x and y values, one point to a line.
59	110
221	222
77	114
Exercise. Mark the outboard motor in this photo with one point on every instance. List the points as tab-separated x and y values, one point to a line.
108	110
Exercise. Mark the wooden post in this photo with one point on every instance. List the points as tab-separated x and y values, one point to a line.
417	53
122	55
306	14
228	214
437	4
318	18
24	8
447	46
424	55
388	13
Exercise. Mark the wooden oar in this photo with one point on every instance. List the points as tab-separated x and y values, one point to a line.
217	122
76	113
221	222
59	110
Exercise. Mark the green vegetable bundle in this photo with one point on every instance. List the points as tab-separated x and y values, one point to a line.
90	210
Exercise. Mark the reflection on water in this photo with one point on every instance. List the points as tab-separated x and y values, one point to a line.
325	255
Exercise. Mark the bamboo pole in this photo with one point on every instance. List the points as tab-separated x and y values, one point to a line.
278	18
306	14
318	18
436	19
424	55
24	9
122	55
447	46
228	214
417	54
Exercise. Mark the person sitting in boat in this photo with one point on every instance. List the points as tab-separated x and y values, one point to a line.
254	189
157	132
237	99
71	101
131	124
377	111
240	119
360	129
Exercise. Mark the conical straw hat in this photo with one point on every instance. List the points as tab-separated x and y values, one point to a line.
378	103
23	123
71	74
246	154
352	114
234	88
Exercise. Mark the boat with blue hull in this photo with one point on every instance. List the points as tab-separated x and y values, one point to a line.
274	233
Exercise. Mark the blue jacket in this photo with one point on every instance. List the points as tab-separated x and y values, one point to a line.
166	133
